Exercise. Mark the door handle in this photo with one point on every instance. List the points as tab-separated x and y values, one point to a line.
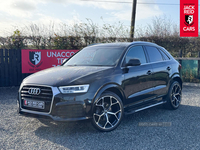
168	68
149	72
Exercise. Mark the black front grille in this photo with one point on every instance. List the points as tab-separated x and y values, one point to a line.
45	95
69	111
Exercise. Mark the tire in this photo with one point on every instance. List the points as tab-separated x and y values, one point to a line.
174	96
107	112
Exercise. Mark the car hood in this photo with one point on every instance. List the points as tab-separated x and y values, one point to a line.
61	76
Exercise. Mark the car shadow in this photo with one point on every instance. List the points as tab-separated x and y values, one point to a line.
81	135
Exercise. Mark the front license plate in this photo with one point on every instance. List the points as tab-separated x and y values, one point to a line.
34	104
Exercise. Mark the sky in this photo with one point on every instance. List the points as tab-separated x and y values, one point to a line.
15	14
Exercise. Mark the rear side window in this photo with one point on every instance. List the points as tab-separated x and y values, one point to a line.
154	54
164	55
136	52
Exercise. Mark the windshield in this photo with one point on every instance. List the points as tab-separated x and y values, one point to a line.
96	56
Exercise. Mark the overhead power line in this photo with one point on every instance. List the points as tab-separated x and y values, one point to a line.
129	2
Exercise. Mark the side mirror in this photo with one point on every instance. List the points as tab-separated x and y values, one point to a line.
133	62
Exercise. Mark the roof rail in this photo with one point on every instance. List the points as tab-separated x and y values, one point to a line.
143	42
94	44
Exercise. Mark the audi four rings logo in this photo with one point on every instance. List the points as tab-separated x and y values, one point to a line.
34	91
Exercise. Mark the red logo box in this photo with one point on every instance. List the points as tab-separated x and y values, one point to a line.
189	18
36	60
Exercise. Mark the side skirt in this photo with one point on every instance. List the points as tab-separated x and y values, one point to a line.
136	109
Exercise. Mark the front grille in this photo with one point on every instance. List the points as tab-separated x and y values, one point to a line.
45	95
70	111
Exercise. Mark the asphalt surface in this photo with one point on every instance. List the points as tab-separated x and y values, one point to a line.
155	128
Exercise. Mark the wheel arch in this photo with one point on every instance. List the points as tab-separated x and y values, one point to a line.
178	79
112	87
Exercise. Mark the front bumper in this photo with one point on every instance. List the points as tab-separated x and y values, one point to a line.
49	116
63	107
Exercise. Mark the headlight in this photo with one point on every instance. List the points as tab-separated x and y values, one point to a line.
74	89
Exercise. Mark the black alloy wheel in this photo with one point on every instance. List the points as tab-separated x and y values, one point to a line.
174	96
107	112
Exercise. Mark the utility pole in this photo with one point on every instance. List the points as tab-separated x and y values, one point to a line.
133	18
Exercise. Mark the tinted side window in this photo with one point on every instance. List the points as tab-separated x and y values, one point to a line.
154	54
164	55
136	52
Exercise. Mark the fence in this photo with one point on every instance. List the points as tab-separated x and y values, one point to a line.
10	67
190	69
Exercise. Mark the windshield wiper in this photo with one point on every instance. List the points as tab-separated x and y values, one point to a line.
71	65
